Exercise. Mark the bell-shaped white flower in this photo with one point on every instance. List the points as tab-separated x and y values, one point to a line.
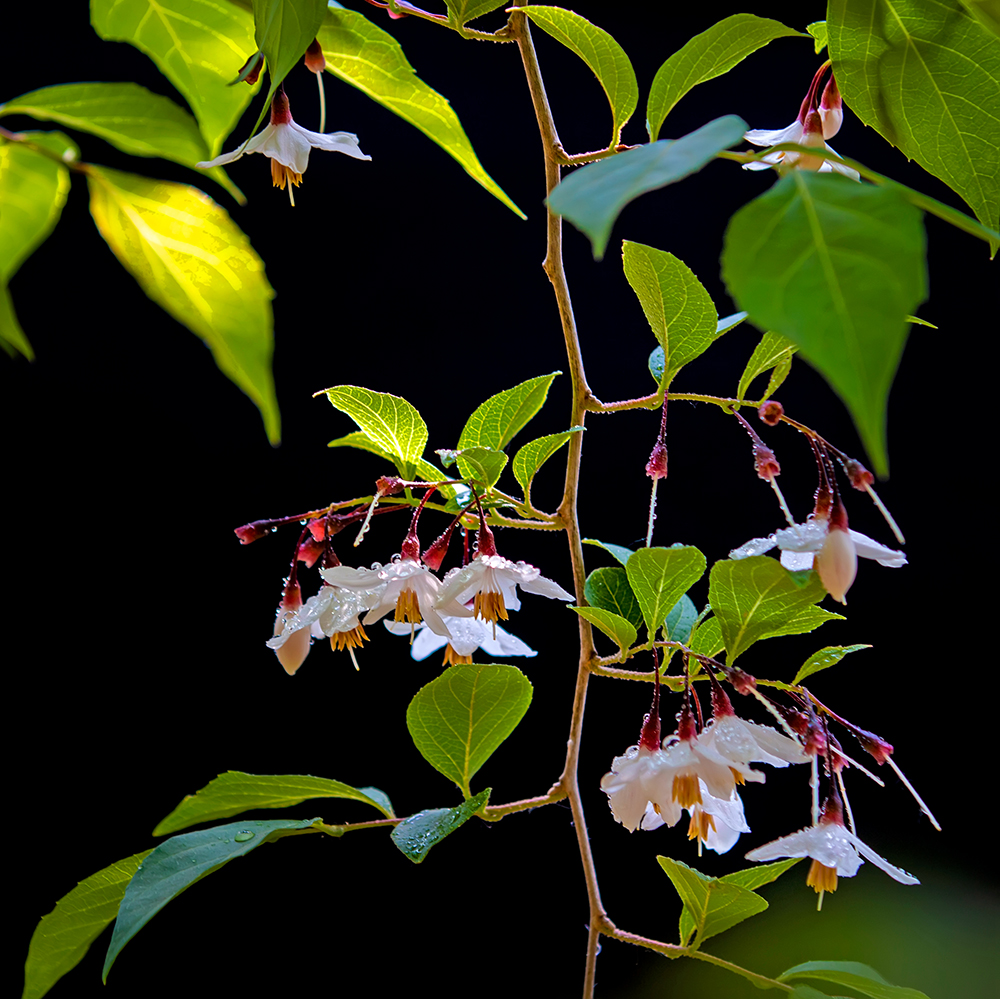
715	822
467	636
408	588
745	742
635	782
288	145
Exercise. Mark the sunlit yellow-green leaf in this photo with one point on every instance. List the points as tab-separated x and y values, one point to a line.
366	57
190	258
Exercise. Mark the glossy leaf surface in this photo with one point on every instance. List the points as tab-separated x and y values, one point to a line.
191	259
824	659
620	631
609	589
199	45
64	936
926	76
459	720
234	792
370	59
178	863
679	310
708	55
619	552
593	196
416	834
773	353
853	975
660	577
836	267
756	598
605	57
530	458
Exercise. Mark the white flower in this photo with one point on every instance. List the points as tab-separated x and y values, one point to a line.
716	822
288	144
491	581
632	784
746	742
800	542
467	635
409	589
834	851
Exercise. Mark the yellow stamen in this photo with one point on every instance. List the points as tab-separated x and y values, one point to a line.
700	823
737	776
407	608
282	175
452	658
686	791
349	640
822	878
489	606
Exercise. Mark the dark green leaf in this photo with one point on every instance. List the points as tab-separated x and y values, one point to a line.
855	976
234	792
604	56
679	310
926	76
64	936
191	259
178	863
283	30
704	57
33	190
199	45
659	577
836	267
620	552
593	196
608	588
987	12
711	905
459	720
756	598
530	458
613	625
825	658
389	422
370	59
774	351
130	117
417	834
680	621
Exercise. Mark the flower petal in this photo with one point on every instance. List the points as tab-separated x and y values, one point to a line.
332	142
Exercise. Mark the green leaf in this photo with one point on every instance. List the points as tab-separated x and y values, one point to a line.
481	465
620	552
660	577
679	310
706	56
468	10
756	598
389	422
836	267
530	458
608	588
198	45
593	196
613	625
824	659
132	118
417	834
711	905
33	190
657	358
64	936
192	260
859	977
371	60
409	470
707	638
680	620
458	720
818	30
926	76
362	442
751	878
774	351
234	792
987	12
283	30
496	422
178	863
605	57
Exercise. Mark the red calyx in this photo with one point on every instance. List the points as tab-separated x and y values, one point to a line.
253	532
656	467
313	58
771	412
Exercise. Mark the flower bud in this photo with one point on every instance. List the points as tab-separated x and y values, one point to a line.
837	563
317	528
831	109
860	477
656	467
388	485
310	551
254	62
765	462
292	654
313	58
252	532
771	412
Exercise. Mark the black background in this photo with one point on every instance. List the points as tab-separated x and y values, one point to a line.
138	671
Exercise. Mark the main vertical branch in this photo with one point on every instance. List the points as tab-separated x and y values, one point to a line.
553	266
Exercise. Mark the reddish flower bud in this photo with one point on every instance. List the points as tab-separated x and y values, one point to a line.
656	467
253	532
310	551
771	412
765	462
314	60
871	743
317	528
389	485
860	477
742	682
255	62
